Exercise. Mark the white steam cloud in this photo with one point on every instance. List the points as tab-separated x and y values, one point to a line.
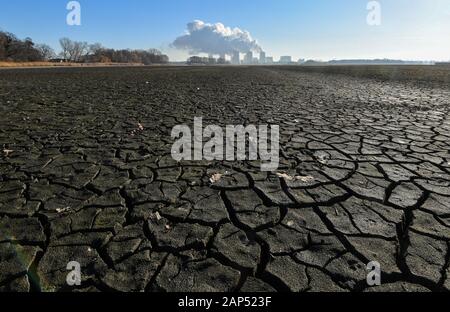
202	37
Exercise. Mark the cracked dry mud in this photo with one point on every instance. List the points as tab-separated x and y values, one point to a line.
80	180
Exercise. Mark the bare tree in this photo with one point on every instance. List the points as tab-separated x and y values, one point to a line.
80	50
73	51
66	47
95	48
46	51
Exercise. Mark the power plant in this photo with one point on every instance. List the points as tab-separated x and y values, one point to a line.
248	59
235	59
262	57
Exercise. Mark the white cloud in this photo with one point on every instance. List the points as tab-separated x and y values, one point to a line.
216	38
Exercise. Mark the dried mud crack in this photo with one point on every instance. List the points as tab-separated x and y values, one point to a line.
86	175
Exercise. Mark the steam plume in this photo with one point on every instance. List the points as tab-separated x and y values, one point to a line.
208	38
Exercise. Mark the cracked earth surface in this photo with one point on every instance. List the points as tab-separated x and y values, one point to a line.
81	180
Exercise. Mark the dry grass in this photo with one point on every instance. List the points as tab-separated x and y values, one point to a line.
34	64
50	64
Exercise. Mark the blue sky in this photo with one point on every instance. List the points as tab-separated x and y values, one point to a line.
317	29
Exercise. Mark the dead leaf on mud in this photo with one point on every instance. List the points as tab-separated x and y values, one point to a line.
285	176
62	210
156	216
305	179
140	128
322	157
215	177
7	152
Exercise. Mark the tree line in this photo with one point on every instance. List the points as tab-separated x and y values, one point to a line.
194	60
77	51
16	50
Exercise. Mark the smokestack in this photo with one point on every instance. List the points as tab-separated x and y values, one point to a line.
236	58
262	57
248	59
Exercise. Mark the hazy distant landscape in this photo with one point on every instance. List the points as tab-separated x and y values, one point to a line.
15	52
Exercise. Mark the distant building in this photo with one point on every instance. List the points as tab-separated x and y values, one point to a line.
211	61
255	60
442	63
269	60
58	60
285	60
262	57
248	59
197	60
301	61
222	61
236	58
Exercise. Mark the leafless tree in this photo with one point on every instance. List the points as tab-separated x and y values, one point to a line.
79	50
66	46
46	51
73	51
95	48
